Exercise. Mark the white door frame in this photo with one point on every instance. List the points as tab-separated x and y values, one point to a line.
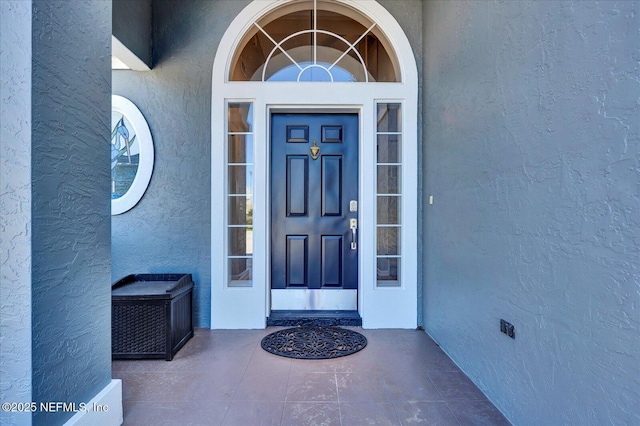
248	307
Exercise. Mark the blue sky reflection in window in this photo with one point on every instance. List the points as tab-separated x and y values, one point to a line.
125	155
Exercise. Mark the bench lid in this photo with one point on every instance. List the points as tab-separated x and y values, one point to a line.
145	286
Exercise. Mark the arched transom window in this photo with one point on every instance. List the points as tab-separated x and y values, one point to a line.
316	41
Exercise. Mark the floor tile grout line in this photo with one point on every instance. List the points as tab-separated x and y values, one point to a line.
446	403
232	398
445	400
286	390
395	410
387	393
335	378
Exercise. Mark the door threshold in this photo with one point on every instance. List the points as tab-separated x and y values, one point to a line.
314	318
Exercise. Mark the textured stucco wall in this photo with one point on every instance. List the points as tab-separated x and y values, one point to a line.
132	26
15	208
71	297
169	230
532	151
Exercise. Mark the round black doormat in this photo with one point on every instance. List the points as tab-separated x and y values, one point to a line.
314	342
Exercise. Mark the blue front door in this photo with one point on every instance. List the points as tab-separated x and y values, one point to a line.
314	199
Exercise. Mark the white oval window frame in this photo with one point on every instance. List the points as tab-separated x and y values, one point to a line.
140	183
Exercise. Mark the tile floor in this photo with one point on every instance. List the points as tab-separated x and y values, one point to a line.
225	378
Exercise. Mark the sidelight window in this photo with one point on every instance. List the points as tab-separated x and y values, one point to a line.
388	193
240	194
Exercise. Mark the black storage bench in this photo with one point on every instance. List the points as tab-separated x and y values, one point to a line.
150	315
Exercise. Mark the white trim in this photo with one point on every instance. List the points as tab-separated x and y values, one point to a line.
379	307
104	409
145	166
126	56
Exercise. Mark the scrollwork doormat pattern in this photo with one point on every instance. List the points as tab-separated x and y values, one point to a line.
313	342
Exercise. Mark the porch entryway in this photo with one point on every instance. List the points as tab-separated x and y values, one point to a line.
314	57
224	377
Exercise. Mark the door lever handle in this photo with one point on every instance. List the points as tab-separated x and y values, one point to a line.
354	236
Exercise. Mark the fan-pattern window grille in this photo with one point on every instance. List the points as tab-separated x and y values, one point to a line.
316	41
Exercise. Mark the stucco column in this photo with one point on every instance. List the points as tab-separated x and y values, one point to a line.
15	208
55	251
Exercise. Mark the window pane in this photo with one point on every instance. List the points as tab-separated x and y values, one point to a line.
379	63
288	24
388	240
339	24
388	271
314	73
240	241
249	62
389	148
240	117
300	48
348	69
389	179
388	210
240	148
240	272
389	118
240	179
240	210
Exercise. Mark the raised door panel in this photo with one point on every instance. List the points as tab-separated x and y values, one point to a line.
332	260
297	259
331	190
297	185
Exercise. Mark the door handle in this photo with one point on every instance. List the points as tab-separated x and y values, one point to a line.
354	237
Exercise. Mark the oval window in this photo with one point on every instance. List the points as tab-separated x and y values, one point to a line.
131	155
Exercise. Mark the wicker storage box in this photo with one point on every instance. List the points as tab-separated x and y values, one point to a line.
150	315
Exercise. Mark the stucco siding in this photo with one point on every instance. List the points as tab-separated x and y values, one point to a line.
15	208
532	153
71	315
169	229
